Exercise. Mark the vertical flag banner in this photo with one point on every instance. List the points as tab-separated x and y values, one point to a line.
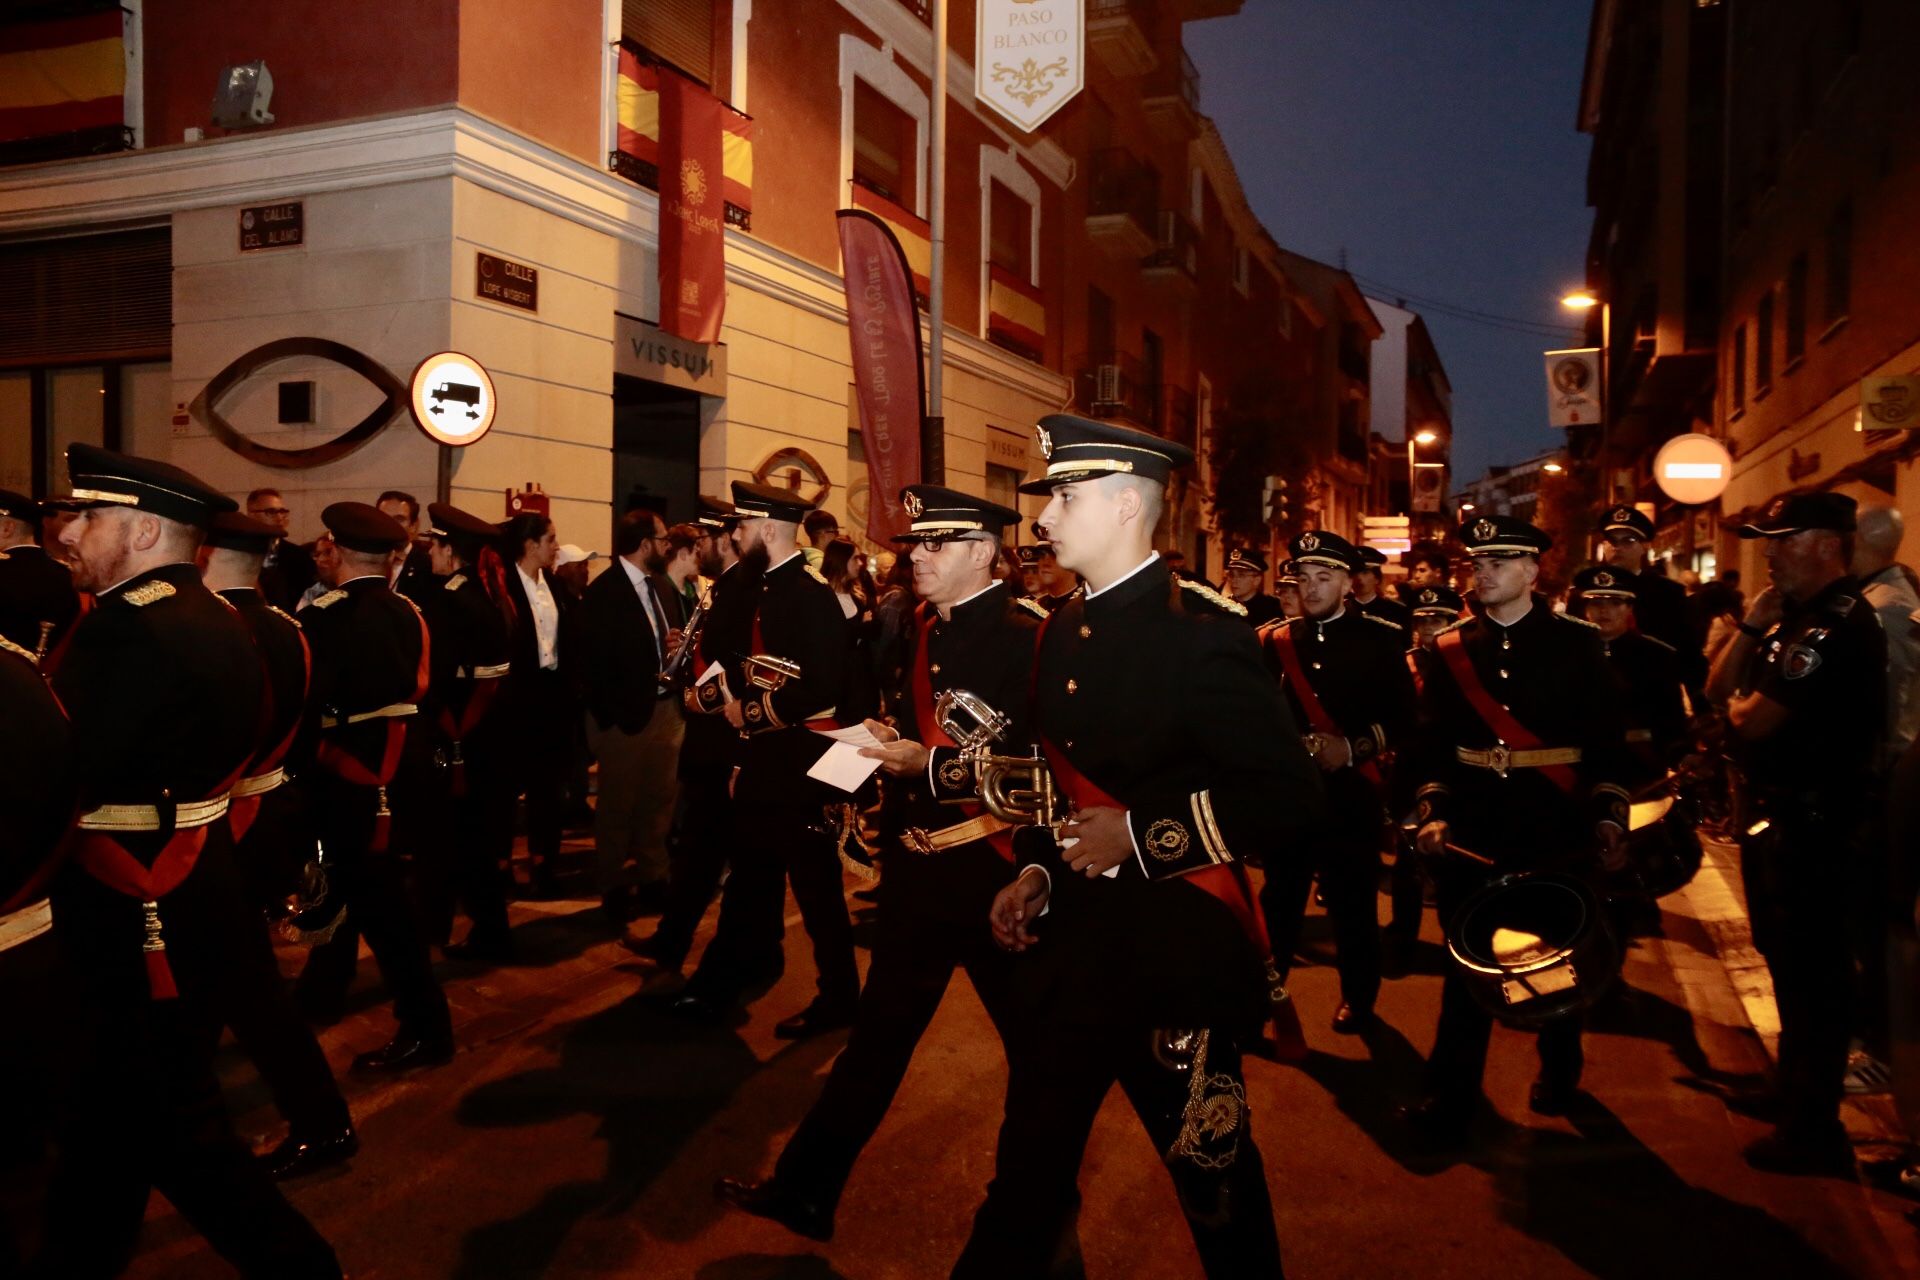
693	215
1573	387
638	156
884	328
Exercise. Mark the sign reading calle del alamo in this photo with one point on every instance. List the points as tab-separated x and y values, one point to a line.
273	226
1029	57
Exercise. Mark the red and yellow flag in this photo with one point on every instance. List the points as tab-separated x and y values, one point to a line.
639	129
62	76
914	234
1015	309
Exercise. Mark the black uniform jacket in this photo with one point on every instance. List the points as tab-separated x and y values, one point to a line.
1383	606
1646	673
1550	671
1357	665
37	786
797	618
467	646
287	574
283	656
1262	609
416	579
985	647
37	599
164	688
620	655
1154	691
1826	662
367	645
726	636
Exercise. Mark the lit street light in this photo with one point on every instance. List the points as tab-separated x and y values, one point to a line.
1425	437
1580	300
1585	300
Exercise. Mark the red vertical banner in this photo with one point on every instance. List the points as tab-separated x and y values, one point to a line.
693	226
884	328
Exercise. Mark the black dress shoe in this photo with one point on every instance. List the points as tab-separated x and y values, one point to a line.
771	1199
405	1052
1545	1099
816	1019
1349	1021
297	1156
1436	1121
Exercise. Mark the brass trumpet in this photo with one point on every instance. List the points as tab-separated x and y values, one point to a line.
1018	791
765	671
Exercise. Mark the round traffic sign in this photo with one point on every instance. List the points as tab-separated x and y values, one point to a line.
453	398
1693	468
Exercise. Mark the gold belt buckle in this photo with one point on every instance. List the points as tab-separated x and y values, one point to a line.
1499	758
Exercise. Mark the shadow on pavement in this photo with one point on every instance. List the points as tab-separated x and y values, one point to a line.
770	1266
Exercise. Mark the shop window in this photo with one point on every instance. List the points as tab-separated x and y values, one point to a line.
1009	231
679	32
885	142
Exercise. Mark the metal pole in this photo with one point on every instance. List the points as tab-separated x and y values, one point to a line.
1606	400
933	442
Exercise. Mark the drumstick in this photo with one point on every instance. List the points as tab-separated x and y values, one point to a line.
1480	858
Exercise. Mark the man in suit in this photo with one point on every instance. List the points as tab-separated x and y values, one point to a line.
630	621
37	599
542	715
289	568
412	574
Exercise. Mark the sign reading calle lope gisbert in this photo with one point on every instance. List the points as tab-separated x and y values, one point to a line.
1029	57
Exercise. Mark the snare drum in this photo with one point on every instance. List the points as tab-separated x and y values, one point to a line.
1663	842
1534	947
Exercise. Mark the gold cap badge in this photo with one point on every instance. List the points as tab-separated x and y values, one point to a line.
913	505
1046	442
1483	530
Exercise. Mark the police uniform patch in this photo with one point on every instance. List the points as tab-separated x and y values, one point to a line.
456	582
148	593
1799	661
1167	840
332	597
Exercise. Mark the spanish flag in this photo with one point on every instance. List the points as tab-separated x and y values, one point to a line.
914	234
639	130
63	75
1016	310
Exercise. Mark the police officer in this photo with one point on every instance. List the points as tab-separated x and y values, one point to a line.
1659	603
1803	682
1180	761
703	829
1246	583
164	688
1367	596
370	671
1347	683
463	751
268	823
970	634
1435	607
779	812
1522	764
37	599
1646	670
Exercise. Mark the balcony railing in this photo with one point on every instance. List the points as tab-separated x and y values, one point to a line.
1179	80
1121	184
1115	386
1121	34
1176	246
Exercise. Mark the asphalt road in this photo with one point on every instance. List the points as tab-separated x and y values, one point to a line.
580	1129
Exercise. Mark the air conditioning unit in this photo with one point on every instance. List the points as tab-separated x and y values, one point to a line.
1108	385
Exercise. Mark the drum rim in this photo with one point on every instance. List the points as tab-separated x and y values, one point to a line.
1562	954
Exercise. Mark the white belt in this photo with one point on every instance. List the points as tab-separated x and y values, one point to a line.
259	783
482	673
381	713
26	924
145	817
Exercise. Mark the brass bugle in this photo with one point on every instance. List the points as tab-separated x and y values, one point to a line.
765	671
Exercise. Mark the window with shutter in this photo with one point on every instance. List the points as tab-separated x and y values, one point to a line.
87	297
675	31
1010	220
884	141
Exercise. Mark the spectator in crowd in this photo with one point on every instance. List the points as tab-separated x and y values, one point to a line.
817	530
1714	613
540	699
412	571
326	559
1888	588
892	623
289	568
573	564
843	565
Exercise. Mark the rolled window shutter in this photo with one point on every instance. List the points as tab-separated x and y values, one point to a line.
680	31
91	296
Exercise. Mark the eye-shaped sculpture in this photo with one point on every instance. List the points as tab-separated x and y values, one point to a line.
393	398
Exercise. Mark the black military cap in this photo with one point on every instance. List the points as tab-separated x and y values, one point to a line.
1370	558
1505	537
18	506
938	512
1252	559
714	513
1027	556
1317	546
1083	449
1440	600
359	527
1603	582
1792	513
466	531
1627	519
237	531
103	478
762	501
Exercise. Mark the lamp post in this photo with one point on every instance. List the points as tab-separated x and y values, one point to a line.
1418	438
1586	300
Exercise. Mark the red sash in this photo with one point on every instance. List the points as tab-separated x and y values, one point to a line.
934	735
344	765
51	663
478	701
1453	651
1280	639
244	809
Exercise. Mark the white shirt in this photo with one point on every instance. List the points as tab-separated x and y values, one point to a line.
656	621
1151	557
546	618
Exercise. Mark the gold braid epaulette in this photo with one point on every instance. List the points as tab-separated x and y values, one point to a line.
1213	597
274	608
1385	622
11	647
1033	606
1582	621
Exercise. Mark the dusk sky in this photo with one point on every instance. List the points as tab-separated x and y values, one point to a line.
1434	141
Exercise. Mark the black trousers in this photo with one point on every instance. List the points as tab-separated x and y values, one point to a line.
778	841
149	1114
1459	1060
700	847
546	726
914	956
1797	901
373	887
1347	859
1408	897
458	850
1055	1086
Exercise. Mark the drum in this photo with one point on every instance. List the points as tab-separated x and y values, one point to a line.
1663	840
1534	947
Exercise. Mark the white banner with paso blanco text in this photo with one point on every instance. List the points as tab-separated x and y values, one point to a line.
1029	57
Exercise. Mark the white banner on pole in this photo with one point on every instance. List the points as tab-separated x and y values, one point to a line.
1029	57
1573	387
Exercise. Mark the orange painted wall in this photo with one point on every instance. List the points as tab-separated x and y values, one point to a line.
536	69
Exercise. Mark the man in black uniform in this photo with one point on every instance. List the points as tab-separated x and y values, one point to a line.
464	752
1804	684
1435	607
1180	761
268	823
1659	603
970	634
1646	670
1055	584
164	689
1347	684
780	813
370	670
37	599
1367	596
1522	764
1246	583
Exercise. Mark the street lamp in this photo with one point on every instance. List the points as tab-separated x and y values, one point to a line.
1586	300
1553	468
1426	437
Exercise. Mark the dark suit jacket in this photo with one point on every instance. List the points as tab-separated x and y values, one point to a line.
525	649
288	573
620	655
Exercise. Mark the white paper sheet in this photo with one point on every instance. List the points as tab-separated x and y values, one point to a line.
843	766
857	736
1068	842
715	671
